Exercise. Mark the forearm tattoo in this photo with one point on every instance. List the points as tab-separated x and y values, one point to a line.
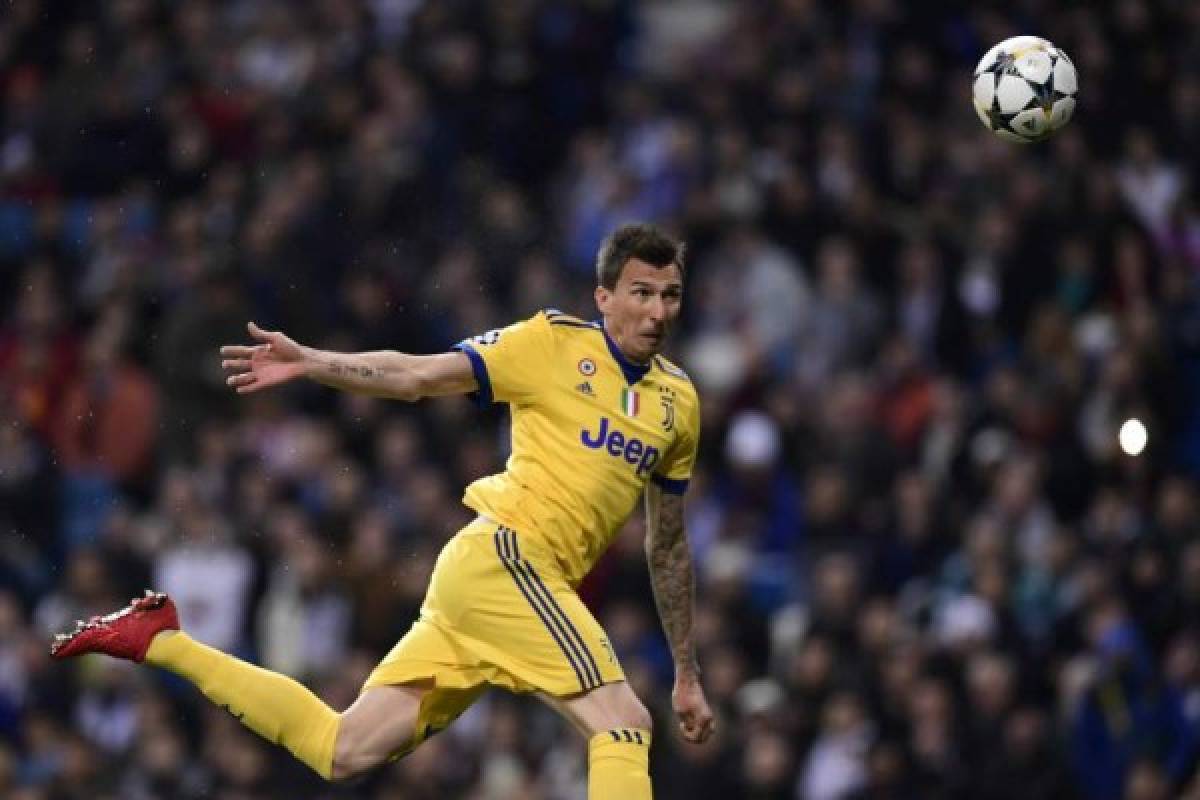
340	370
671	576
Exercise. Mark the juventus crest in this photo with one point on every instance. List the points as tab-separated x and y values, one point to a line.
667	398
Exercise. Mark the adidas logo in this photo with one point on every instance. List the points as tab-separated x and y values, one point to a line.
585	388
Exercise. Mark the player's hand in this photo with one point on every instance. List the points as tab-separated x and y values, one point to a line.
696	721
274	360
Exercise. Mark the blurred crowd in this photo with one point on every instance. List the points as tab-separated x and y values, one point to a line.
927	568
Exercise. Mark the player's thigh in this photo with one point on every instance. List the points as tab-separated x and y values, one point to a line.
534	625
613	705
427	680
379	724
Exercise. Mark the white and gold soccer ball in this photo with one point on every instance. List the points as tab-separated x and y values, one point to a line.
1024	89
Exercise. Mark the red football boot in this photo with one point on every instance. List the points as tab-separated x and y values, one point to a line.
122	634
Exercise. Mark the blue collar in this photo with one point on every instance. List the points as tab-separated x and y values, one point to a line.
633	372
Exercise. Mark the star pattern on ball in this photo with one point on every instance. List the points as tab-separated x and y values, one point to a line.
1045	95
1002	65
997	119
1033	104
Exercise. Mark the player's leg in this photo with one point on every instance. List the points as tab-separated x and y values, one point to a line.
500	611
274	706
379	724
560	648
617	728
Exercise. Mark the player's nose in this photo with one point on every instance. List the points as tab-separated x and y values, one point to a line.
657	310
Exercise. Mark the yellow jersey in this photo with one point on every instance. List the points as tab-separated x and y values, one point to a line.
589	428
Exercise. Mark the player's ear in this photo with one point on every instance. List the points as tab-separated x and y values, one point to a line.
603	298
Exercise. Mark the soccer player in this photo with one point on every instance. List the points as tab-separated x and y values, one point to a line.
599	418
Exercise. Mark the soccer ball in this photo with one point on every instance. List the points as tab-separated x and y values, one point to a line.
1025	89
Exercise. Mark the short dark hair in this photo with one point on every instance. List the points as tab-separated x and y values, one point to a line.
642	241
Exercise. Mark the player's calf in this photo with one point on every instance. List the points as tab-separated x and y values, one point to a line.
618	729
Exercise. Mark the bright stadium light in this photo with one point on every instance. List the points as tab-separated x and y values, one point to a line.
1133	437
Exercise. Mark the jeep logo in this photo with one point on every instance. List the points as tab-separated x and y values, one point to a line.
633	450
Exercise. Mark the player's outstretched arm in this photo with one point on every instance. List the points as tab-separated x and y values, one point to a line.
672	577
276	359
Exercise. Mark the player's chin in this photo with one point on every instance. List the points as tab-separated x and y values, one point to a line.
651	343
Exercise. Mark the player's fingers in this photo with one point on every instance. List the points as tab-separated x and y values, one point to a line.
236	363
257	332
240	380
239	350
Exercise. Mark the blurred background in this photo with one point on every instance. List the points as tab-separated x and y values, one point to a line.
928	565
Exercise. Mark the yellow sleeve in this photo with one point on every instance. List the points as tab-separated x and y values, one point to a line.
509	363
674	472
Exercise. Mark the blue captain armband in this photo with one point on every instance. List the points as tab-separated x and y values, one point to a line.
670	485
483	396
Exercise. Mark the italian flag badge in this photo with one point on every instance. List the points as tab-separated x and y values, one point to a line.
630	402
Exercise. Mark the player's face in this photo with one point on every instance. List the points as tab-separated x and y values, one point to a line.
641	309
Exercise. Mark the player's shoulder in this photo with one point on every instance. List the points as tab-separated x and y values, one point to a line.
671	369
569	330
673	375
560	320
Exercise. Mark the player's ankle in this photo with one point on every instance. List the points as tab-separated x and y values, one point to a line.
161	648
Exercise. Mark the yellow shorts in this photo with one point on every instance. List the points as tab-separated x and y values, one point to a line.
498	612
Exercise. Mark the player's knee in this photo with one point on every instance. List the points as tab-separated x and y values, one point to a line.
347	762
341	770
350	762
379	727
635	714
358	751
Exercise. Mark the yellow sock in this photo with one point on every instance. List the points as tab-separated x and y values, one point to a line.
272	705
619	765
